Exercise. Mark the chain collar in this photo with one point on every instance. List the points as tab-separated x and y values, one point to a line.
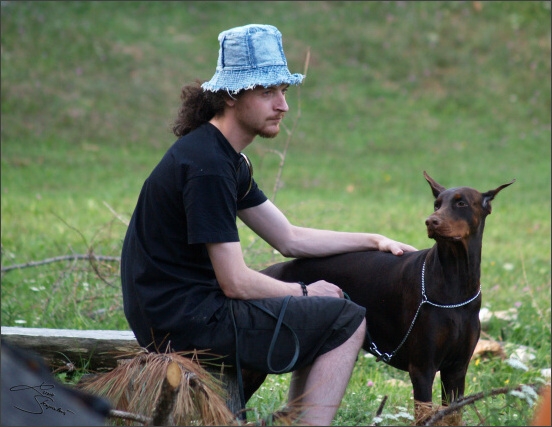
386	357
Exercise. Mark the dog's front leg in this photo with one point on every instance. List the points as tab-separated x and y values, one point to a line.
452	388
422	382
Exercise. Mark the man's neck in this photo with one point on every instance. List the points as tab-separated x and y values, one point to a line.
233	134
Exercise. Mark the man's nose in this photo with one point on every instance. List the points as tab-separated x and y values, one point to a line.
281	103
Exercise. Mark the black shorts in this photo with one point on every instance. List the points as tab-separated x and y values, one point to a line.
311	326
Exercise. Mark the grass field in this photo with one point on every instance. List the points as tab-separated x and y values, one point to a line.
459	89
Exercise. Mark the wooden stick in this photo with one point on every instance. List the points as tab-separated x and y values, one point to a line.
115	413
72	257
167	397
467	400
381	406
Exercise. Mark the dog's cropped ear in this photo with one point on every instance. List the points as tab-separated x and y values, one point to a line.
490	195
435	187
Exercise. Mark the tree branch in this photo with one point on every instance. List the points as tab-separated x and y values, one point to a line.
115	413
88	257
454	406
290	132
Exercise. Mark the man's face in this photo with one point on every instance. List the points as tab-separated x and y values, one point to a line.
259	111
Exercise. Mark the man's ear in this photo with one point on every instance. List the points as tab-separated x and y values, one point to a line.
229	99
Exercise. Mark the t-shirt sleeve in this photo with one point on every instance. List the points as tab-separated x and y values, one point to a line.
210	210
255	197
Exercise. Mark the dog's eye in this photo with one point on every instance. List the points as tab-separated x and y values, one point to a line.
461	204
436	205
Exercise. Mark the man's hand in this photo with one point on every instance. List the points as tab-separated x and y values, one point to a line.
324	289
396	248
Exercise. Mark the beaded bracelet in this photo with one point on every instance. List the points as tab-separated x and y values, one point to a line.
304	287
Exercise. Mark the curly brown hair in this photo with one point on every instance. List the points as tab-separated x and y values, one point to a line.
198	106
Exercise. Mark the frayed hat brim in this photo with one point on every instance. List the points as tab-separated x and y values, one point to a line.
236	80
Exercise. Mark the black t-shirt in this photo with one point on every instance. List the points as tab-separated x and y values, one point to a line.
190	198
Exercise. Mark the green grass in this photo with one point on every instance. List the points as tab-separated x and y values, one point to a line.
89	90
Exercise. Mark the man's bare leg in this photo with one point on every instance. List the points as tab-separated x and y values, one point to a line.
318	389
297	385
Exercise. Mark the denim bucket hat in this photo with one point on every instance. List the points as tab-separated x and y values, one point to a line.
251	56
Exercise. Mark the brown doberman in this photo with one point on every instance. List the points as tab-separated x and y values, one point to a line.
422	308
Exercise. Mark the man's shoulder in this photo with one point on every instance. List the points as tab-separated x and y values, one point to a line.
203	134
204	141
200	153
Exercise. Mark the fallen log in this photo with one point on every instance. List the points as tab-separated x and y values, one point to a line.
98	351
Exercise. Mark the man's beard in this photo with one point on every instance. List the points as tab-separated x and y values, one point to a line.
268	135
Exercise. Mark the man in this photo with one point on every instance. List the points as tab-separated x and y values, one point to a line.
185	283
